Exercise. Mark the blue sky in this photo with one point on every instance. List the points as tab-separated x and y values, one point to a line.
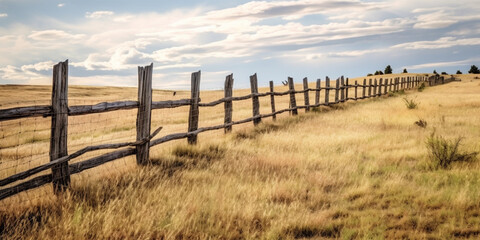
105	41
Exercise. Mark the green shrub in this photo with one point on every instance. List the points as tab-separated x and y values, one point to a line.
444	152
410	103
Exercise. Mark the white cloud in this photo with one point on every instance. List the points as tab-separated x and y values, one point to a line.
443	64
50	35
61	5
98	14
2	15
23	76
445	42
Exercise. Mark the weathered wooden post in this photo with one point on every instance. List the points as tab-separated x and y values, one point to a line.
272	100
327	90
390	85
293	102
375	88
385	91
337	89
369	87
356	88
346	89
317	92
364	87
306	95
228	104
193	113
255	101
342	89
59	127
380	85
144	113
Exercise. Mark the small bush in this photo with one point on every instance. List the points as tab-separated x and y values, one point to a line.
444	152
459	72
421	123
410	103
421	87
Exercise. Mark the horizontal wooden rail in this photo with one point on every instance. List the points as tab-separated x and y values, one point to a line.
45	111
33	171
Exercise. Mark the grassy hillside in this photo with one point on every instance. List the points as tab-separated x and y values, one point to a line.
359	170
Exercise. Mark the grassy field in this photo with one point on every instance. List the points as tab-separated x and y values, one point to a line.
359	170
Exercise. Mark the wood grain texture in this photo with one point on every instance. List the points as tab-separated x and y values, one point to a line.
144	113
228	104
306	94
293	101
59	126
272	100
255	101
193	113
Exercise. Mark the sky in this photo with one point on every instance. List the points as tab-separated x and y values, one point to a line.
105	41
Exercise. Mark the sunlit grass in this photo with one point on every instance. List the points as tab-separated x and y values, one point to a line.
353	171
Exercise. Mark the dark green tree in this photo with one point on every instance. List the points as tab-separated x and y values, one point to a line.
378	72
459	72
388	70
435	72
405	70
474	70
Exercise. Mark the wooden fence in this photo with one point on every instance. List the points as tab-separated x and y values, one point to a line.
59	112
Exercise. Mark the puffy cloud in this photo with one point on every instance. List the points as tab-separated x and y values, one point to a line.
2	15
61	5
443	64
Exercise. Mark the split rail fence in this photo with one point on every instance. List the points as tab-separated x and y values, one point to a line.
59	111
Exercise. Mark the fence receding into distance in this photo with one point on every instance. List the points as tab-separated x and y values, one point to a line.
59	111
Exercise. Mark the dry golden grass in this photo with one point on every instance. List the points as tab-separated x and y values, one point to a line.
359	170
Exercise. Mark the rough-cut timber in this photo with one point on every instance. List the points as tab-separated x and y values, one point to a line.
346	89
272	100
193	113
255	101
317	91
228	104
293	101
23	112
363	87
306	95
337	89
59	131
327	90
144	113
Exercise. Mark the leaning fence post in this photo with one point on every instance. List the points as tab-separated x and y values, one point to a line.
59	131
317	92
193	114
306	95
272	100
293	102
390	85
327	90
255	102
228	104
144	112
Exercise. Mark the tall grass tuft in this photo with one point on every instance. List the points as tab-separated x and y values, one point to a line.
444	152
410	103
421	87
